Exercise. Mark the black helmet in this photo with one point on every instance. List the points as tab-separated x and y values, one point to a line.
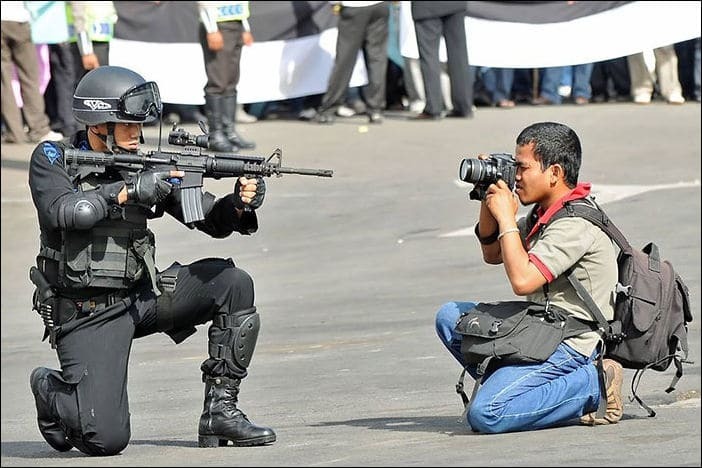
115	94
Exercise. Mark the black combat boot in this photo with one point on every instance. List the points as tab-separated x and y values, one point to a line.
48	426
222	421
217	139
228	119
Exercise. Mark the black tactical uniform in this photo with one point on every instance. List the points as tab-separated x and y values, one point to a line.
98	257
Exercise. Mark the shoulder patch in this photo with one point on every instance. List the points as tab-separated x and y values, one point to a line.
51	152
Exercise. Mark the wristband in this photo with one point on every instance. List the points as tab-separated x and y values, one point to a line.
507	231
487	240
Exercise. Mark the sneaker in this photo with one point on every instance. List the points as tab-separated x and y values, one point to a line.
307	114
642	98
675	99
345	111
243	117
50	136
614	376
49	428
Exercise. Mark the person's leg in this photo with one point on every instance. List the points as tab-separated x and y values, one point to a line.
217	69
582	92
460	76
215	290
27	63
11	113
375	51
503	88
534	396
428	39
641	81
667	73
87	400
348	43
63	77
445	324
232	32
548	87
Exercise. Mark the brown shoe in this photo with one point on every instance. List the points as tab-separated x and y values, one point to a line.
614	376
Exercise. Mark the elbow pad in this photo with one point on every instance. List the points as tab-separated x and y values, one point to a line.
82	211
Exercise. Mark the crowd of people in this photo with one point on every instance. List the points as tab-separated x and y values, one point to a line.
78	41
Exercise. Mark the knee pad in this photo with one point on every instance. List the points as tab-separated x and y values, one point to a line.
234	336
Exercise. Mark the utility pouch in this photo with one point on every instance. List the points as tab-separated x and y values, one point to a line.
514	332
511	332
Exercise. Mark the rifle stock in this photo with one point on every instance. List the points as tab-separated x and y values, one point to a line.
196	166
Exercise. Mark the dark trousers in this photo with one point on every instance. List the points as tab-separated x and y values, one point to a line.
366	29
59	93
610	79
429	32
222	67
66	71
90	392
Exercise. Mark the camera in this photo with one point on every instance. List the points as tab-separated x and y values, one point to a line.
483	172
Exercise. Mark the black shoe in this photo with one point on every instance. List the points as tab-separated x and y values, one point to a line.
459	115
237	141
49	428
425	116
375	117
218	141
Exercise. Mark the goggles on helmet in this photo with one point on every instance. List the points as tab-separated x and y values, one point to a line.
140	101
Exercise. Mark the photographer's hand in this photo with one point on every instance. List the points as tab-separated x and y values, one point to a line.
502	203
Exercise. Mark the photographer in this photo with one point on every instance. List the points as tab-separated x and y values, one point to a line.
98	287
537	260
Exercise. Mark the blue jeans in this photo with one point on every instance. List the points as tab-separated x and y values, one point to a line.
578	78
527	396
499	82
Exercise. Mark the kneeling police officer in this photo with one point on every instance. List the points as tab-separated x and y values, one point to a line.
99	288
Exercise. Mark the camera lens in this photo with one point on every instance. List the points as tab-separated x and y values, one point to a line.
471	170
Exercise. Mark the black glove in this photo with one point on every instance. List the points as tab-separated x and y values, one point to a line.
149	187
256	201
110	192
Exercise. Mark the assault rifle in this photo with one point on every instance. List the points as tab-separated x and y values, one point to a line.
192	161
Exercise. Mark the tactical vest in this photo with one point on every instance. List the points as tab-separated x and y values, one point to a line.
115	253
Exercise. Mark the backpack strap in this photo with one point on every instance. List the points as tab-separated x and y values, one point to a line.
585	209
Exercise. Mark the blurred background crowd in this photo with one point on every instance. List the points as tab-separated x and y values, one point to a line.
47	46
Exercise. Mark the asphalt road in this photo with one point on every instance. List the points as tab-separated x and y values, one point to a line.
349	272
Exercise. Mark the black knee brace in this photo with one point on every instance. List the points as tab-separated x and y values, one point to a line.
232	340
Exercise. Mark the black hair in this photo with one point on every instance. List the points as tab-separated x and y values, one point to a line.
555	143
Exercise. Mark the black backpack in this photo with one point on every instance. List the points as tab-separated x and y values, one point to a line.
652	308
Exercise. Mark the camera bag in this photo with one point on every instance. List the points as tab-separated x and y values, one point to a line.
652	307
512	332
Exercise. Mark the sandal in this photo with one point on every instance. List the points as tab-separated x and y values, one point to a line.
505	103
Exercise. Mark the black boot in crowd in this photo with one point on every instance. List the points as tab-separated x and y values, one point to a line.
229	119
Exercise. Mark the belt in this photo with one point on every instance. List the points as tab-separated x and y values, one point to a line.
92	304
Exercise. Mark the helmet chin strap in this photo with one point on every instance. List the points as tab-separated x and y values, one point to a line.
109	139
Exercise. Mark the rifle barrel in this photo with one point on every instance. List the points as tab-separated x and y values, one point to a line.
304	171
